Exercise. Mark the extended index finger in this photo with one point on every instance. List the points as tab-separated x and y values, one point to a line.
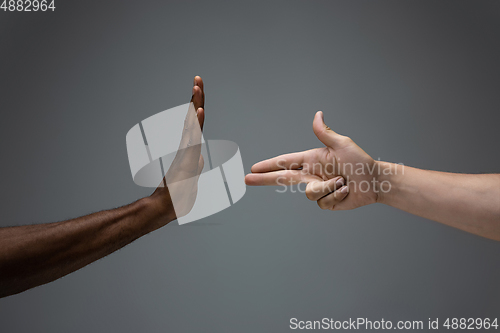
283	162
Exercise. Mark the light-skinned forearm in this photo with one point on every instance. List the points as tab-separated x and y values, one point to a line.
37	254
466	201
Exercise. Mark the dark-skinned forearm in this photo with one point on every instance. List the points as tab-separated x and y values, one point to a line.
37	254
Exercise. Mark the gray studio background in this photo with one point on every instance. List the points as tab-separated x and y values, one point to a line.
410	82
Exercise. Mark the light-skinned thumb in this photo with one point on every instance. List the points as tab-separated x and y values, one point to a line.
324	133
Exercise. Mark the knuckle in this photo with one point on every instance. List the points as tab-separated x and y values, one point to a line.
322	204
346	140
309	193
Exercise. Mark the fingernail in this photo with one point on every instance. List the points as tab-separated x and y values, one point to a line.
344	189
339	183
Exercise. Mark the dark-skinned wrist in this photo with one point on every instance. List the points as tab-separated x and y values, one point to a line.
159	208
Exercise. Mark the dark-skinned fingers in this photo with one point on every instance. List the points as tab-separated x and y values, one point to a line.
198	82
201	117
189	149
197	98
317	190
191	135
329	201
